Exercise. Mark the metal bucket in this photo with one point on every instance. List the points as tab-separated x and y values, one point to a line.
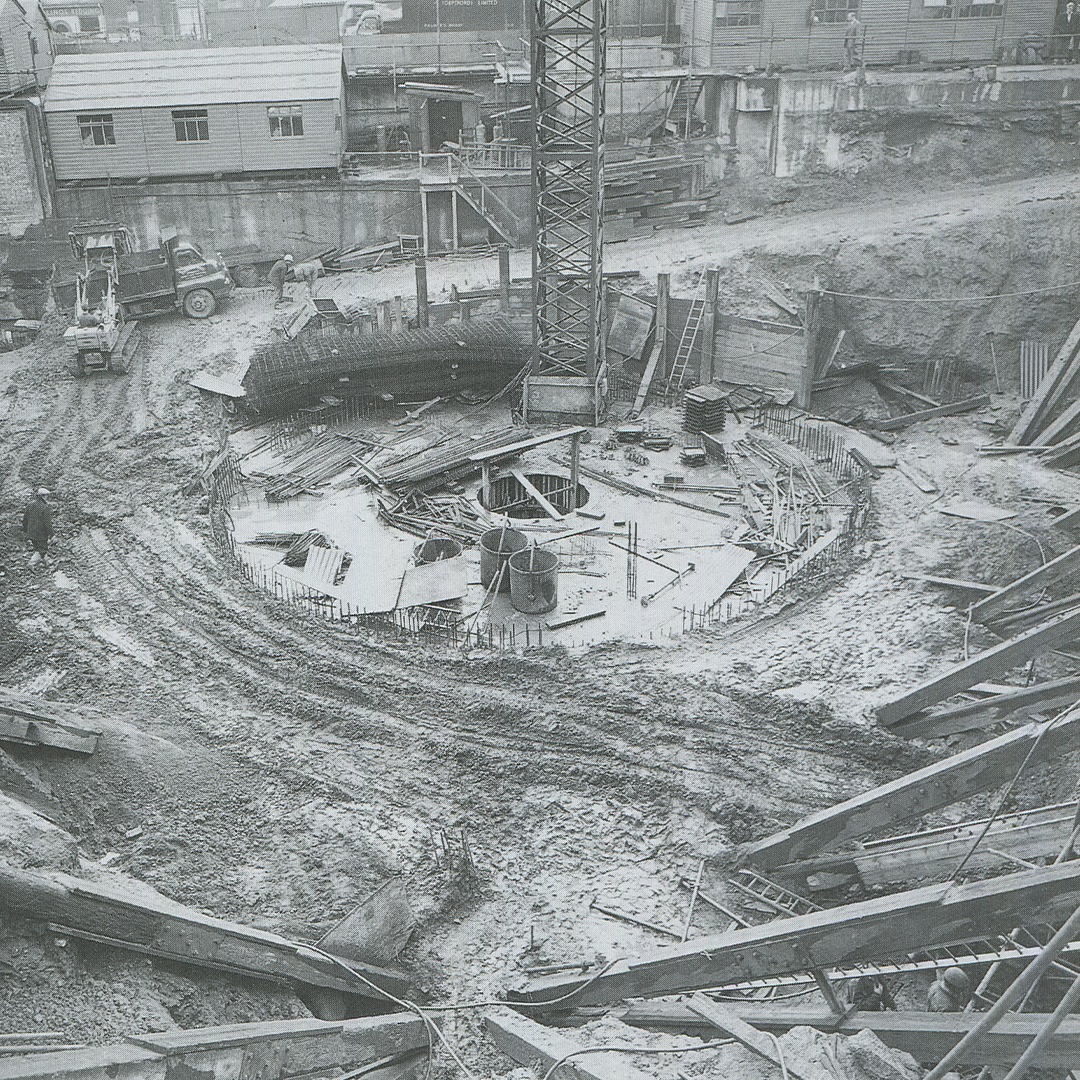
496	547
437	549
537	590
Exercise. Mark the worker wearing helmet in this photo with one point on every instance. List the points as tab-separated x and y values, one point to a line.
278	273
949	992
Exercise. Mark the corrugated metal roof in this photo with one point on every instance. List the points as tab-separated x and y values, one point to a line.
177	77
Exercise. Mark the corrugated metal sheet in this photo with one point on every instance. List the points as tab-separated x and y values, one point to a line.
176	77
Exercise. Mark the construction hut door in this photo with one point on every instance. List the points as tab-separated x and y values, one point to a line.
444	122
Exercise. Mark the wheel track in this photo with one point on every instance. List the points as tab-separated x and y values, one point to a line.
56	419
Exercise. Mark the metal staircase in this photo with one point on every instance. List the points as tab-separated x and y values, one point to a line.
684	98
452	172
688	340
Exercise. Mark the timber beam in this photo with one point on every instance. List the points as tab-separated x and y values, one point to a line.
979	768
976	714
884	927
1048	574
926	1036
528	1042
1042	638
134	916
933	854
390	1046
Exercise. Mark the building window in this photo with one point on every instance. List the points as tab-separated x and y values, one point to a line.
738	12
191	125
96	129
286	121
832	11
981	11
90	24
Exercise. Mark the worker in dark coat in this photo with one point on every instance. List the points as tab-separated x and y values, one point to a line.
870	994
853	42
278	273
949	992
37	524
1067	35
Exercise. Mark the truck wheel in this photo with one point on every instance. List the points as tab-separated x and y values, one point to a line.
200	304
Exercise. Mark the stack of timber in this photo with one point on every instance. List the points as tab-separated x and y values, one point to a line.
423	515
391	1047
305	468
1051	419
449	459
646	193
32	721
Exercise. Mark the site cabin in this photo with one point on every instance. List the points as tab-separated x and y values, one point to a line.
195	112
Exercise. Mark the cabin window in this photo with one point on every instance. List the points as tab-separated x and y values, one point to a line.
980	11
96	129
832	11
738	13
191	125
286	121
90	24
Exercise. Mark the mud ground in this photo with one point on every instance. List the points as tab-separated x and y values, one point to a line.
280	768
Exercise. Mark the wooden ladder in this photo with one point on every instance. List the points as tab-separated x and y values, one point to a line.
687	341
782	901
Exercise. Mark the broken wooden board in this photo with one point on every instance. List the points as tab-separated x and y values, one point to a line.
728	1022
1048	574
35	722
1058	377
536	495
952	583
935	853
646	379
974	510
1015	701
1068	520
898	423
630	326
1042	638
928	1037
980	768
131	915
376	930
878	929
528	1043
433	582
215	384
924	483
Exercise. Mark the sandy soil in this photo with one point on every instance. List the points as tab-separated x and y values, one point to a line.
280	768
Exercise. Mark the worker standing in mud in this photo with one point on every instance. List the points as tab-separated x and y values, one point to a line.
853	34
278	273
37	524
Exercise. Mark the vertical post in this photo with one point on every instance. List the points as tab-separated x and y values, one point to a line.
382	309
454	217
423	318
504	277
708	346
398	317
806	382
575	462
485	469
663	290
424	212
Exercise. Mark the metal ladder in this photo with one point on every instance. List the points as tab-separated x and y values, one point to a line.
782	901
688	339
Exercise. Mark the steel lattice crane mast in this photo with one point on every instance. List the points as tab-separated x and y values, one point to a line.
568	69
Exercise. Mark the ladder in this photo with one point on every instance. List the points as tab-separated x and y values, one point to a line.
688	339
782	901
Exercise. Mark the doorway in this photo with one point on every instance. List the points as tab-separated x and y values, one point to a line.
444	122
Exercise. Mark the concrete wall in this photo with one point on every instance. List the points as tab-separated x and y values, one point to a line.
791	124
24	184
304	217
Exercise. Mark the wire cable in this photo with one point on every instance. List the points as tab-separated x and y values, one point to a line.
639	1050
779	1055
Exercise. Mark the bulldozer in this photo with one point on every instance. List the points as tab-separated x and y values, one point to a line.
103	339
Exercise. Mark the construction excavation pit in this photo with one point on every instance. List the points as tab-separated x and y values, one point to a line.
382	705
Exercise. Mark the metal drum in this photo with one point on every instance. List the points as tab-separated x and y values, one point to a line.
534	580
496	547
437	549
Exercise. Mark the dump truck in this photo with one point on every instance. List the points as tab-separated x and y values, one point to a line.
115	284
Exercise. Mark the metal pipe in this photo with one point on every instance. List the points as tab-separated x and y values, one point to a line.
1037	1045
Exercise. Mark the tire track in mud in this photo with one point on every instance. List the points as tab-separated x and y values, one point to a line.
20	463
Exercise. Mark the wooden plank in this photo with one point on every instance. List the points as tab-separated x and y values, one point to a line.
953	583
1063	426
898	423
928	1037
34	722
647	378
924	483
1048	574
934	854
511	449
979	768
573	620
528	1042
429	583
884	927
1028	423
536	495
728	1022
976	714
1042	638
896	388
827	367
136	917
1069	520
